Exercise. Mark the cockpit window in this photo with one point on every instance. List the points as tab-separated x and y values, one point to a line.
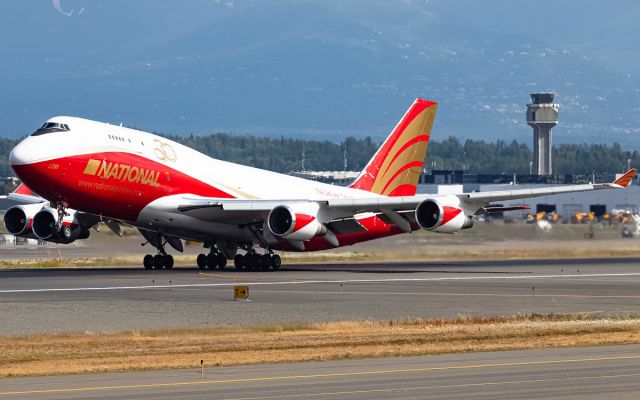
50	127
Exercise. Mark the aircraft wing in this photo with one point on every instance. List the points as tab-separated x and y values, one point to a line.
345	208
22	195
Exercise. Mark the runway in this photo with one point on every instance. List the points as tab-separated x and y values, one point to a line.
116	299
574	373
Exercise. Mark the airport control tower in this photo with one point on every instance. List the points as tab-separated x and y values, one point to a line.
542	115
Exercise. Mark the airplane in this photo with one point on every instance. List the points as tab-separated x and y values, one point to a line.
77	172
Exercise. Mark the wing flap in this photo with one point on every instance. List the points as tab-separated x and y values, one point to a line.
347	225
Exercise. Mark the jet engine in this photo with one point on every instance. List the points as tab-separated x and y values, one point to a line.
45	226
18	219
442	217
296	221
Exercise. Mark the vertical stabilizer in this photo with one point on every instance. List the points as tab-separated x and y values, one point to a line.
395	168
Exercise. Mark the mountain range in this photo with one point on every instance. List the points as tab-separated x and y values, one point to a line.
322	69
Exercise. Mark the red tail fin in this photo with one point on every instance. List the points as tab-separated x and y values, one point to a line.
625	180
395	168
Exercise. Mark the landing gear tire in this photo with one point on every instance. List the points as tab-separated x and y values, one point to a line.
66	232
222	261
251	262
212	260
158	261
264	262
276	262
239	262
148	261
201	261
167	261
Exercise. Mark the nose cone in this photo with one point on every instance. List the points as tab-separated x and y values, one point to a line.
23	160
20	154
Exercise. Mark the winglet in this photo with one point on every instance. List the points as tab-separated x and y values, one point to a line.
625	180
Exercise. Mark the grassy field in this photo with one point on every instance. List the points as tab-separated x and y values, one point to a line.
430	254
148	350
488	241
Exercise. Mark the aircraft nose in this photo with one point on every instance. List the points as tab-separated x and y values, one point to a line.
20	154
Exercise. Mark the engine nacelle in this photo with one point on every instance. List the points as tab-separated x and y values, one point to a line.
296	221
45	226
18	219
442	217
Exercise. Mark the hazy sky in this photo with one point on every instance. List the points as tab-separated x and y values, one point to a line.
326	68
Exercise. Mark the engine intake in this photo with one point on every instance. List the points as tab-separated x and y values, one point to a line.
17	219
45	227
295	222
44	223
434	216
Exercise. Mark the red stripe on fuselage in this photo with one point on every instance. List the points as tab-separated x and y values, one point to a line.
66	179
375	228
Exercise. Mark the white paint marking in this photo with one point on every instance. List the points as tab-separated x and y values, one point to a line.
310	282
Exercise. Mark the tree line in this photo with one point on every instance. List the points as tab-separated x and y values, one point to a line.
474	156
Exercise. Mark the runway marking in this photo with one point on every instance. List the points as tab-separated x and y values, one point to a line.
308	282
452	386
329	375
579	296
207	275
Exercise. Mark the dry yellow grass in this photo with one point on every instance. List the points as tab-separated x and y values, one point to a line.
433	254
136	350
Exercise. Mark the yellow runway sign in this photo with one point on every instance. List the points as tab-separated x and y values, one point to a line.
241	292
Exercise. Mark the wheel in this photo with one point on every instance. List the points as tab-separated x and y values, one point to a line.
222	261
212	260
65	232
168	261
238	261
201	261
148	261
264	262
158	261
251	261
276	261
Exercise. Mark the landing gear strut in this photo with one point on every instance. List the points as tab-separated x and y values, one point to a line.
161	259
63	231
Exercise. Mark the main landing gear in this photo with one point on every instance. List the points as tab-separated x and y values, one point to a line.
252	261
161	259
158	261
212	260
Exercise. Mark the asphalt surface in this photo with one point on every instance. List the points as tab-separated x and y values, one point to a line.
611	372
116	299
